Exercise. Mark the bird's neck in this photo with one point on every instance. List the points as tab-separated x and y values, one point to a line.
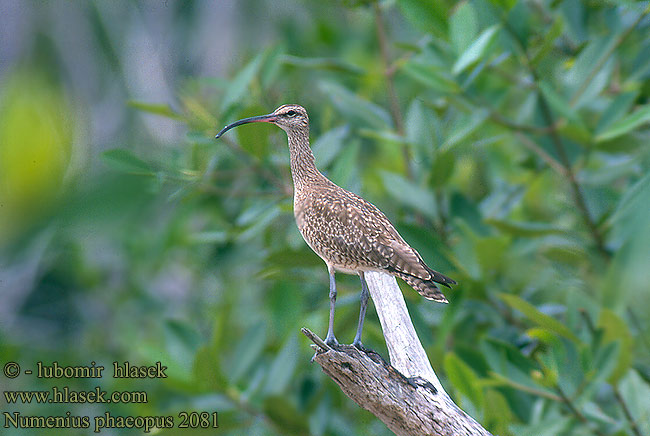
303	168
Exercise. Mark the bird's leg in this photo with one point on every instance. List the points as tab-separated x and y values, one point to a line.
330	339
362	313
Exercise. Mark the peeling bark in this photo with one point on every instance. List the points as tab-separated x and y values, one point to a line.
406	395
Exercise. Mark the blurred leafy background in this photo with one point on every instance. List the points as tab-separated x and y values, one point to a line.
507	140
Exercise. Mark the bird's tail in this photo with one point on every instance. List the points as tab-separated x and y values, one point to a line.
426	288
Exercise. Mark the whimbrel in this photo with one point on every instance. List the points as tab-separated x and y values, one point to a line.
350	234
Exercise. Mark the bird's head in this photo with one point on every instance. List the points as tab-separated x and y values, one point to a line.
288	117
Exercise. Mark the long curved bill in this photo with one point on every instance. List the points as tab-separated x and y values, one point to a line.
258	119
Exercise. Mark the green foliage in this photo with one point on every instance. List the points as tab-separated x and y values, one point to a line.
506	140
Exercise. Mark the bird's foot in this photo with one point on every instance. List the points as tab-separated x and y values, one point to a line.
359	346
331	341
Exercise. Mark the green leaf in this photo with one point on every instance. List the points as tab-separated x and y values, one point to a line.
476	50
524	229
429	16
254	139
354	108
463	26
538	317
285	415
157	109
589	73
271	66
549	40
182	333
504	4
247	353
629	218
636	395
420	126
576	17
464	127
508	366
550	426
325	64
282	369
464	379
616	110
431	76
615	329
345	166
239	86
125	161
442	169
575	127
568	252
497	413
207	370
181	342
410	194
328	145
557	101
286	258
209	237
490	252
605	362
636	119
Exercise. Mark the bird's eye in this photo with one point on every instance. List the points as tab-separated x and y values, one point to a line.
291	113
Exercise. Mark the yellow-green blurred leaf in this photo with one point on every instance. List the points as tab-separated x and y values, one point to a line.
615	329
157	109
497	415
36	153
525	229
328	64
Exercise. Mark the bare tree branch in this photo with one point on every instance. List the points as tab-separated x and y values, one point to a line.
406	395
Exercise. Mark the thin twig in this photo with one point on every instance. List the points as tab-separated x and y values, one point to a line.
315	339
532	146
497	117
566	400
599	65
577	192
626	412
588	320
519	128
500	119
560	149
393	100
524	388
617	392
635	320
397	63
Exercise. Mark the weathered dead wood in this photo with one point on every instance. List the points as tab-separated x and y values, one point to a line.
406	395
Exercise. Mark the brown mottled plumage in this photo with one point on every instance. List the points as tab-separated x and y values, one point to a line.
350	234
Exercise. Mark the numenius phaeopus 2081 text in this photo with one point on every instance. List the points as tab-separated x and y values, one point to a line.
350	234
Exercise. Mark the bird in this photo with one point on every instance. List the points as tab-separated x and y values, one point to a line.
350	234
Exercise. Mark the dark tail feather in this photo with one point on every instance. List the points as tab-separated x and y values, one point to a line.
440	278
427	288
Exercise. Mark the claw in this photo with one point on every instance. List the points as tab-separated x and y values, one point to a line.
331	341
